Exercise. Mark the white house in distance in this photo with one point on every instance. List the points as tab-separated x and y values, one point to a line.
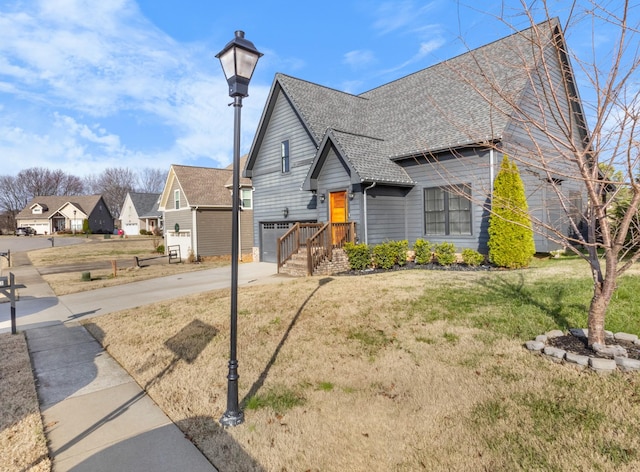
140	212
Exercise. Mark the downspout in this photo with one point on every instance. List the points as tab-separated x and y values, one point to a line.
366	232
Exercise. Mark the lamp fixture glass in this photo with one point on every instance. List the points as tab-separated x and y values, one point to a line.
238	59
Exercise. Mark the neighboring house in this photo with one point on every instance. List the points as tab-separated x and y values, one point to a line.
50	214
196	203
140	211
401	159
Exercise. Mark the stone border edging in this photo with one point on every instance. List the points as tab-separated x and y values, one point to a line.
597	364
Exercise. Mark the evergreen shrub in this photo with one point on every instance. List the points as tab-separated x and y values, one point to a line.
422	249
511	242
471	257
359	255
445	253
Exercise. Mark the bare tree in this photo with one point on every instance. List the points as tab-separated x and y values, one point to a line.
151	180
548	135
113	184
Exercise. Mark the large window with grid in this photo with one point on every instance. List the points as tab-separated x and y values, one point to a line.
447	210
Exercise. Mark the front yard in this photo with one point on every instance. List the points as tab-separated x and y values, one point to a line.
400	371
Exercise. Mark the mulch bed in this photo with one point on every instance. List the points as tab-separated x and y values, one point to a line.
414	266
579	346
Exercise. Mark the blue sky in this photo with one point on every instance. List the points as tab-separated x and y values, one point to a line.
86	85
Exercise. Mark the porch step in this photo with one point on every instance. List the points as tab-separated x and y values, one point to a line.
297	265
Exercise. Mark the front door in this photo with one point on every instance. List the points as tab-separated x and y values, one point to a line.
338	214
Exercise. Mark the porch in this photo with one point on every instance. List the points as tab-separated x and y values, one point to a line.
315	248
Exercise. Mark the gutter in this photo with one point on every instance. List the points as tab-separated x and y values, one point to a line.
366	233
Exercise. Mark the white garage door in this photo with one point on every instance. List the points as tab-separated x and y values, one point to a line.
182	239
131	229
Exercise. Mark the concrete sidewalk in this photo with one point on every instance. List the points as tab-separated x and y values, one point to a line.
96	417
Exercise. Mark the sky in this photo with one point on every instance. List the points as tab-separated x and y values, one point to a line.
87	85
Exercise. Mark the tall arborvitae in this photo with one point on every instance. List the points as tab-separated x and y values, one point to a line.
510	234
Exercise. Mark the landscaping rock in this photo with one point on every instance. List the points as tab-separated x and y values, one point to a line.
535	345
627	365
578	359
556	333
579	332
603	366
625	337
555	354
542	338
610	351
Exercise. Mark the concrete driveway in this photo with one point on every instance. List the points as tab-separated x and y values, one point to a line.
29	243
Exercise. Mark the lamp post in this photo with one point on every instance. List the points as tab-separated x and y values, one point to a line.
74	222
238	58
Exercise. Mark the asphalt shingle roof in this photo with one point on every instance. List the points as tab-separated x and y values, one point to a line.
461	101
146	204
53	203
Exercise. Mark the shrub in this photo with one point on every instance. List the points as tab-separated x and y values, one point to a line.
471	257
160	249
384	256
359	255
510	234
143	232
422	248
390	253
445	253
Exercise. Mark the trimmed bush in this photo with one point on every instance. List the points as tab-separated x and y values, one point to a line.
359	255
445	253
160	249
422	249
400	248
384	255
471	257
511	242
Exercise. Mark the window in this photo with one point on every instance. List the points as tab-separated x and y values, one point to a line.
247	198
447	210
284	155
176	199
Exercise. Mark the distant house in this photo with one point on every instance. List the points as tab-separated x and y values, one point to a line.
412	158
196	204
51	214
140	211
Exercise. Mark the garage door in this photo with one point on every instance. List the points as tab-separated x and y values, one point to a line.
182	239
269	234
131	229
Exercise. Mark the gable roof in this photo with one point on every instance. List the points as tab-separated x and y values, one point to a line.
53	203
459	102
146	204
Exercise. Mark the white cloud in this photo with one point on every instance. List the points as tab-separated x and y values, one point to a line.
394	16
359	58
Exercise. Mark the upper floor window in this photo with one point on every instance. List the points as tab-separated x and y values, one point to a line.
447	210
284	155
176	199
247	198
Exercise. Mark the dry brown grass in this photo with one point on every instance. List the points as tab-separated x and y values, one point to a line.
365	384
22	442
106	250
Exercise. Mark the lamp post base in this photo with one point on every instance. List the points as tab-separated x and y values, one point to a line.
232	418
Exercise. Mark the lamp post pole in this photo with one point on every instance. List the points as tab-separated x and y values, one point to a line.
74	222
238	58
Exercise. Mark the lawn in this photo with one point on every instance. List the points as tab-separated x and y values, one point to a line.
22	442
105	250
407	370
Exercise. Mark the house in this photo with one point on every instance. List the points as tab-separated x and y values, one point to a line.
51	214
414	158
197	208
140	212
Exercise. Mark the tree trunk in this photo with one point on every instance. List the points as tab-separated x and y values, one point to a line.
598	309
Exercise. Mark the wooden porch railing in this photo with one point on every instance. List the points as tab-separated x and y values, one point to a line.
331	236
292	240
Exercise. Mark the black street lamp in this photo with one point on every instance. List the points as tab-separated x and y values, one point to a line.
238	58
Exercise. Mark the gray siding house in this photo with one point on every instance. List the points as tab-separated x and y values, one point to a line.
196	204
416	158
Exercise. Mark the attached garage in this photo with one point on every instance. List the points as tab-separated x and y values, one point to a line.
269	234
182	239
131	229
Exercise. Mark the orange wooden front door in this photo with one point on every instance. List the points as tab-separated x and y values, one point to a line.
338	213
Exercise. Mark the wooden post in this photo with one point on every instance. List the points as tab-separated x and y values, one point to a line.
12	297
114	268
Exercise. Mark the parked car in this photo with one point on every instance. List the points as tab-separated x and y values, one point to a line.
25	231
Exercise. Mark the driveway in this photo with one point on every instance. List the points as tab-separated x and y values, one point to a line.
29	243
